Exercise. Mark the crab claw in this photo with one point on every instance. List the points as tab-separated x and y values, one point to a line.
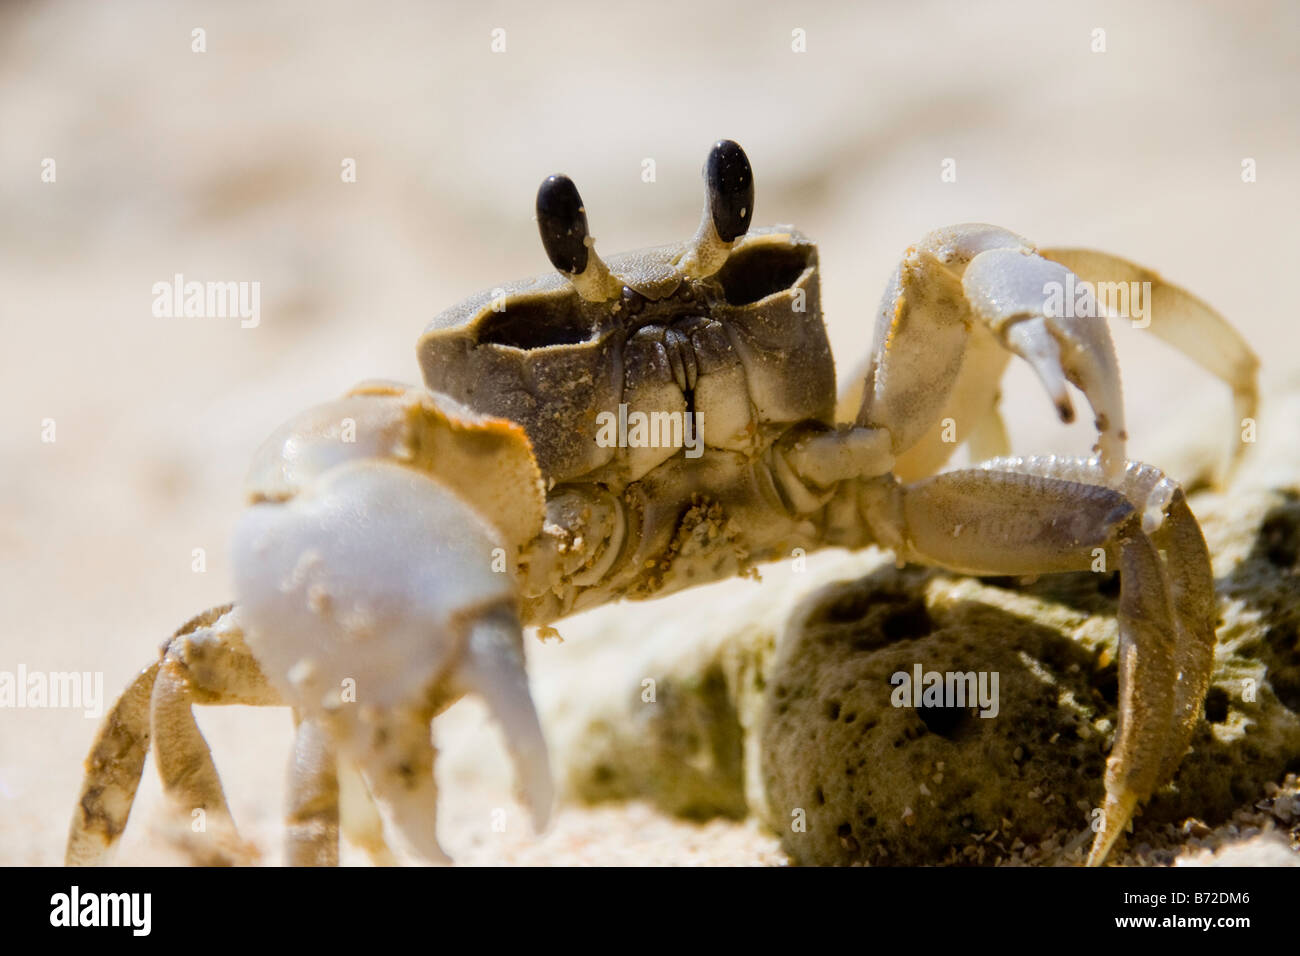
966	295
957	291
376	594
1023	299
493	668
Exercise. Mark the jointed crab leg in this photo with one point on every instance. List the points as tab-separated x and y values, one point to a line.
313	813
1046	515
113	768
970	413
205	662
359	818
1173	530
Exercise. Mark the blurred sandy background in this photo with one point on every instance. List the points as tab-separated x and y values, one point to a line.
226	166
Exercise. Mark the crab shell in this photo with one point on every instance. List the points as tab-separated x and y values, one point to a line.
536	353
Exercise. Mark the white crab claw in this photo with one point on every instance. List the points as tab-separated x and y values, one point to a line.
1031	340
493	668
372	600
1011	288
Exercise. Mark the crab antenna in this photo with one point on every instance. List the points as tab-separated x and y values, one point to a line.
729	181
562	222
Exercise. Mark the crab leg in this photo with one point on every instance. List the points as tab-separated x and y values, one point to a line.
313	817
113	769
207	662
969	414
204	662
399	761
398	766
189	777
921	336
1040	516
1172	528
209	665
359	818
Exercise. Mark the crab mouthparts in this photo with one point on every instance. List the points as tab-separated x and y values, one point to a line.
675	346
681	358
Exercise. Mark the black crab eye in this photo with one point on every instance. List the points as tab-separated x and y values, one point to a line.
562	222
730	182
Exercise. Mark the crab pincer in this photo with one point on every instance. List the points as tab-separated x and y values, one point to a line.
369	593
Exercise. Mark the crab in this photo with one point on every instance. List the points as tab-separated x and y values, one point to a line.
398	540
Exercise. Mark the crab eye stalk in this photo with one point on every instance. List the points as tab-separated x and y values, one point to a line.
730	182
562	223
728	209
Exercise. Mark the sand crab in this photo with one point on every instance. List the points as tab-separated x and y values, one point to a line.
398	539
